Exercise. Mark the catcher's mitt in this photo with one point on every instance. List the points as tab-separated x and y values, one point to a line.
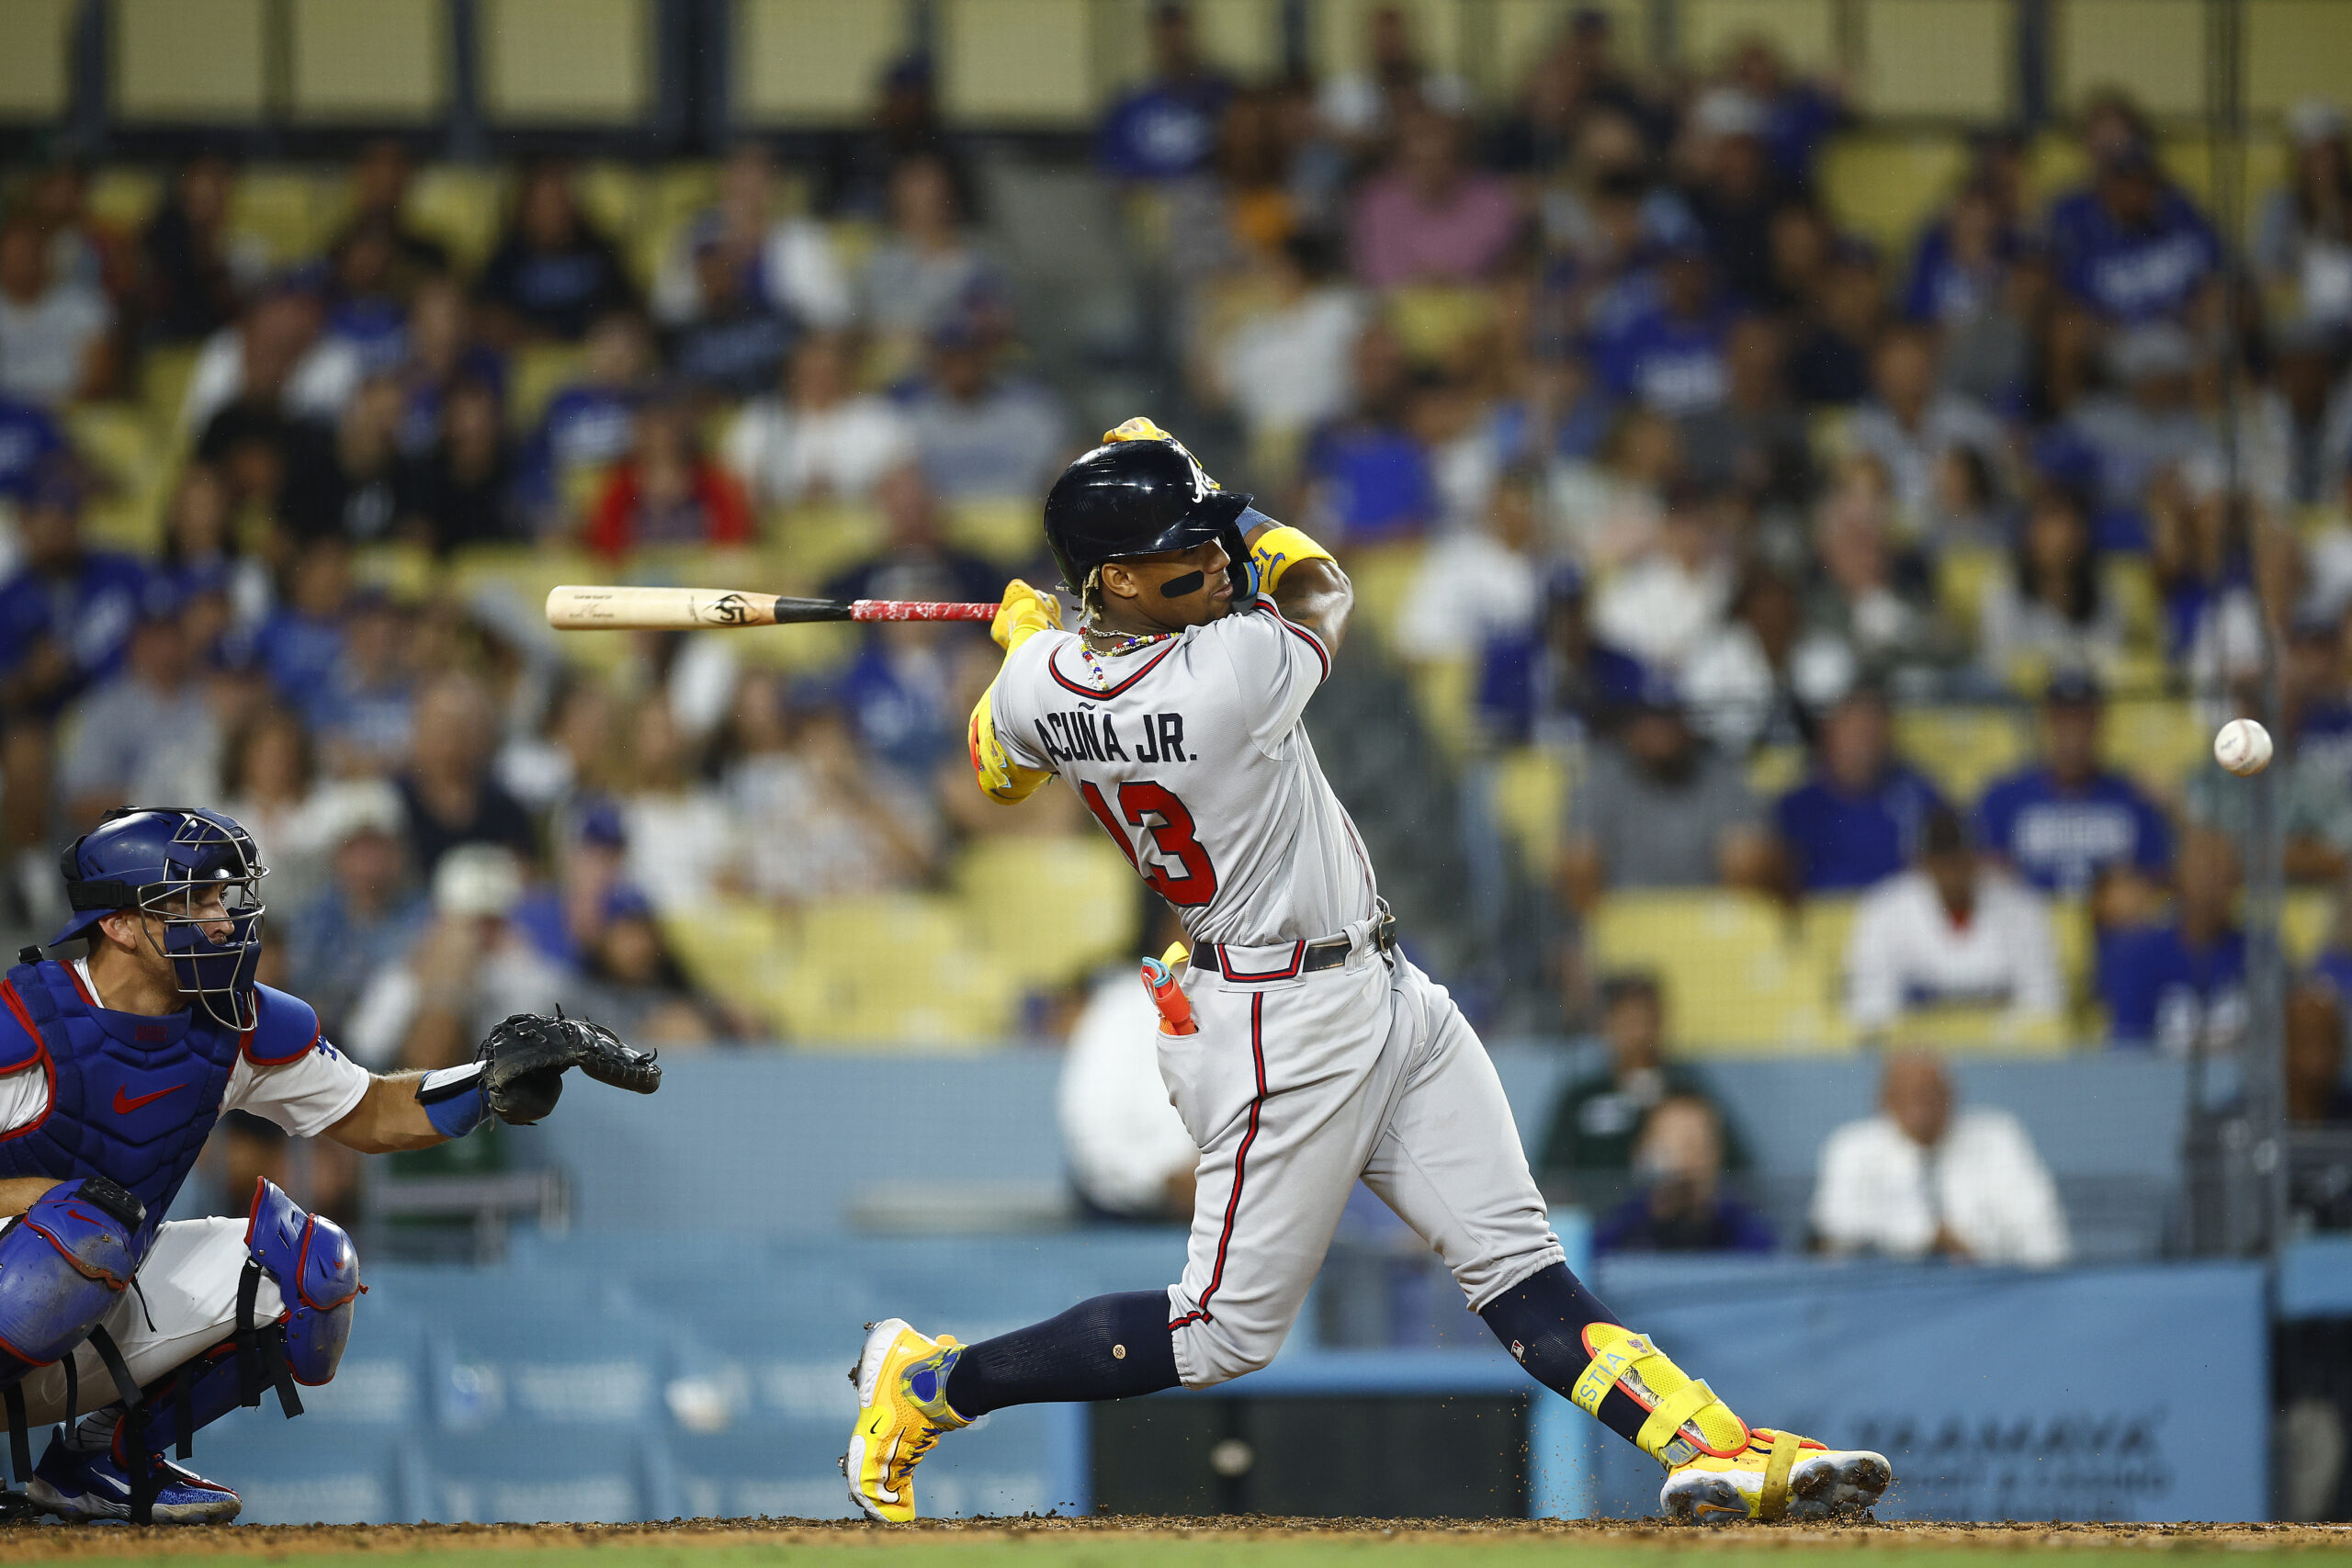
523	1060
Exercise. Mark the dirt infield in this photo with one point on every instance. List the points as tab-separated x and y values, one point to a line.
1054	1541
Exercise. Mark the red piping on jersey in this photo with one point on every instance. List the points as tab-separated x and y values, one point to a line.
1297	957
1321	655
1241	1156
1088	692
16	1005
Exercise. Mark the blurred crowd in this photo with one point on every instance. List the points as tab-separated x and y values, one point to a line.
1671	467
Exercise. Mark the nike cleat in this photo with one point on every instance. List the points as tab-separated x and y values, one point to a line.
1779	1476
901	1381
87	1486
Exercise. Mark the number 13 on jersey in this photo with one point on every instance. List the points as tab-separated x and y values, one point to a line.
1150	806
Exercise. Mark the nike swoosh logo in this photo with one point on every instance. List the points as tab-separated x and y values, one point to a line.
124	1105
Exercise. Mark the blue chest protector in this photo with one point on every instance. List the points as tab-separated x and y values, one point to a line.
130	1098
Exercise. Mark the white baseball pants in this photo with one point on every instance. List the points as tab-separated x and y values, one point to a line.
184	1301
1294	1087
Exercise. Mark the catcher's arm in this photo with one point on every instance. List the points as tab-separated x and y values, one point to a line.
518	1076
1306	584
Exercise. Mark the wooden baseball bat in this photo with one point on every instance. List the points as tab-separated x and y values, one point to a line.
578	609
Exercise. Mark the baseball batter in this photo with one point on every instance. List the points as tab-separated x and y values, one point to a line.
1321	1054
114	1065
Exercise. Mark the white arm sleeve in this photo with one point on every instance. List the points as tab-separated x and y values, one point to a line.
305	1096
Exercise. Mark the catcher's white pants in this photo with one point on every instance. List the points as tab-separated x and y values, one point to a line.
1291	1090
183	1304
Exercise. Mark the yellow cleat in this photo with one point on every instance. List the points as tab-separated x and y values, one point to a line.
1718	1467
901	1381
1779	1476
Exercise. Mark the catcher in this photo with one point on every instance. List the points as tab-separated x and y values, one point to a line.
129	1333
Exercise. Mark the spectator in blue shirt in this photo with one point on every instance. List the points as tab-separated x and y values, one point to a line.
31	441
67	615
552	275
590	424
300	645
1552	680
2062	821
1167	127
1856	821
1671	356
1371	478
2180	985
2129	250
1681	1206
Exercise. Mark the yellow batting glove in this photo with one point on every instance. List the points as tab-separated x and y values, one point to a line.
1278	549
1000	778
1025	612
1139	428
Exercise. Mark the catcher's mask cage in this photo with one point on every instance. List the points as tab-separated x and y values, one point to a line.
197	873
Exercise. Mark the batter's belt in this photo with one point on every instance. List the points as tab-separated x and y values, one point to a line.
1304	957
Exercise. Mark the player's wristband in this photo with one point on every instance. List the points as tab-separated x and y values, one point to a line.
1278	549
452	1100
1000	778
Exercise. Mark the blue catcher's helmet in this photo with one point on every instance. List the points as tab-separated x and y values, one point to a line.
169	861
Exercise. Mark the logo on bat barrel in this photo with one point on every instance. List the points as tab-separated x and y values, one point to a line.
727	610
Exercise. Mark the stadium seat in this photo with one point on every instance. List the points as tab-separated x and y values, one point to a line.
1383	576
540	370
2295	50
1986	1030
125	197
459	206
282	207
1048	911
1529	798
577	62
1018	62
1962	749
1445	695
1739	975
2306	919
889	969
2156	741
614	197
1435	324
2071	930
1887	186
189	61
1005	530
1773	770
1963	573
2154	50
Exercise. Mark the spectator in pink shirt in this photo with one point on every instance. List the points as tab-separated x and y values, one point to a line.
1428	218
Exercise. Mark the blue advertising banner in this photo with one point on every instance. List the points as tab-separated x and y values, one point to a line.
2092	1395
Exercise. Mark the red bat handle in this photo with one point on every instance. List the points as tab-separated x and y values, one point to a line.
917	610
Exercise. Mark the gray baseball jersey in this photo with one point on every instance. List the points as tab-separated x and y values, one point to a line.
1193	754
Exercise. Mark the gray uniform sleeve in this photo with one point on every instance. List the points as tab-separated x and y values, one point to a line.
1277	665
1014	707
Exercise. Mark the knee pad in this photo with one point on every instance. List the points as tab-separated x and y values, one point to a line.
63	1266
316	1270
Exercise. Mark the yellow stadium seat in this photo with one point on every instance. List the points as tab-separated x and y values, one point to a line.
125	197
162	383
2070	928
1738	977
1434	323
1529	797
1048	911
727	947
613	197
889	969
283	207
1774	771
1445	695
2306	919
460	206
541	370
2130	582
1887	186
818	541
1383	576
1986	1031
1962	749
406	573
2156	741
1008	530
1962	576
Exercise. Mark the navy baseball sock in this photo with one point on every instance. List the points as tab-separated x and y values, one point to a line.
1109	1348
1541	1321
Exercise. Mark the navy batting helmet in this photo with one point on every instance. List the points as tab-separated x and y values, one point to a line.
1137	494
165	861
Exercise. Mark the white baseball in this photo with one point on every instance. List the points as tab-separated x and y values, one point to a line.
2242	747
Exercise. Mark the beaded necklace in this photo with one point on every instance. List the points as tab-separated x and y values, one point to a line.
1122	643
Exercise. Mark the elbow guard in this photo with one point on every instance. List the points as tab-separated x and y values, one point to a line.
1281	548
1000	778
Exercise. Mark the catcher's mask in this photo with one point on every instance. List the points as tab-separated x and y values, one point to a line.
1141	493
199	874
